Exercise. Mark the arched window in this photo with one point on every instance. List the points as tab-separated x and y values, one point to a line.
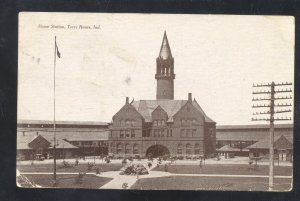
119	148
135	149
189	122
197	149
194	122
132	122
179	149
183	122
159	122
155	123
128	122
188	149
127	148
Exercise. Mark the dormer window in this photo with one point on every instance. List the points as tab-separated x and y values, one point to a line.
159	123
155	123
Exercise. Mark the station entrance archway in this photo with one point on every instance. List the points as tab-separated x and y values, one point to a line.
157	151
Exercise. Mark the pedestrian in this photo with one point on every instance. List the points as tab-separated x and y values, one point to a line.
200	164
149	164
166	168
76	162
97	170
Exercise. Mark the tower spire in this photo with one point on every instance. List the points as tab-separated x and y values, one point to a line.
165	71
165	50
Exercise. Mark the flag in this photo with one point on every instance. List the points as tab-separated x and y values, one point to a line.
58	53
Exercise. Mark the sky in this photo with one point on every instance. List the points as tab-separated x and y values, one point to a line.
217	58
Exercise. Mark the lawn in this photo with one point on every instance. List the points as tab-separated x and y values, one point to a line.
225	169
80	168
68	181
210	183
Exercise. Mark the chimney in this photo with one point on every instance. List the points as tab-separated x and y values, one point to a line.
37	133
23	133
190	97
127	100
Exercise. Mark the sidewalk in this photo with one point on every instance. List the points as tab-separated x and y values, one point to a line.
119	180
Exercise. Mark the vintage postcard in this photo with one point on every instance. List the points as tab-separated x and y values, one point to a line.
155	101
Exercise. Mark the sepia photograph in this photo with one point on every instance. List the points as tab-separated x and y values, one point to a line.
155	101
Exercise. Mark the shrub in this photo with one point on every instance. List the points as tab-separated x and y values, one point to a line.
107	160
180	157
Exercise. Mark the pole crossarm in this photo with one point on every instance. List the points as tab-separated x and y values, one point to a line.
270	84
282	111
283	119
283	98
260	119
258	113
260	99
283	84
261	92
258	106
283	91
283	105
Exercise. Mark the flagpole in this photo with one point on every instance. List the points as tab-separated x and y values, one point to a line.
54	124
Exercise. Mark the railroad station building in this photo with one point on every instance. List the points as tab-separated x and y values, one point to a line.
163	126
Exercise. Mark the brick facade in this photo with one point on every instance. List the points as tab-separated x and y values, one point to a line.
163	126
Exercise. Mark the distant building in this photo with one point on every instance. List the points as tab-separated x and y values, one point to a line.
73	139
163	126
253	140
283	148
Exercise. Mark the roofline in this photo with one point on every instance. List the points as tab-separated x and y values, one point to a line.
92	123
253	126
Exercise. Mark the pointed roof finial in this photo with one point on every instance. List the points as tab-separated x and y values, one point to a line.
165	50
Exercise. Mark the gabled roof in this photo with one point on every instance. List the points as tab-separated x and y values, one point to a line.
165	50
264	143
228	148
171	107
24	140
39	140
61	137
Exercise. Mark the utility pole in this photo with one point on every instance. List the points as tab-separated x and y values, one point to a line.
271	92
